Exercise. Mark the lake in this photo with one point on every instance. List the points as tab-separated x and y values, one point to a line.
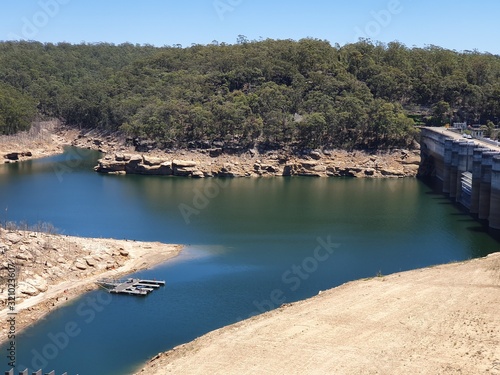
251	245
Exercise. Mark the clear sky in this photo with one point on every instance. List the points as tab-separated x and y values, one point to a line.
454	24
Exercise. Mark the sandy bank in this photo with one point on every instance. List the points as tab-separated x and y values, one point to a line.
439	320
53	269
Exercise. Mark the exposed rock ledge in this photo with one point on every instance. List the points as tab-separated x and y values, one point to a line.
205	163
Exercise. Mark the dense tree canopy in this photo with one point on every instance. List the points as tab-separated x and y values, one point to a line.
304	93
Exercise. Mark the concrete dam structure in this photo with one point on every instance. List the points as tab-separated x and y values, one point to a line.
469	170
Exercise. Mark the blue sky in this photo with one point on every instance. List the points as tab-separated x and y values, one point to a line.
459	25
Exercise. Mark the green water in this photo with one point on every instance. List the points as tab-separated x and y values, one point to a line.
252	244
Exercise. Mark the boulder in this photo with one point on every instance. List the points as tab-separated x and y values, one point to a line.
13	237
184	168
134	159
110	165
80	265
151	161
38	283
24	256
119	157
27	289
198	174
12	156
315	155
90	261
183	164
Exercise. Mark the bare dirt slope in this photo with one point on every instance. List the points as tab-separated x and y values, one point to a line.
440	320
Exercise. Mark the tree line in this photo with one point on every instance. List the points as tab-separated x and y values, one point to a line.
305	93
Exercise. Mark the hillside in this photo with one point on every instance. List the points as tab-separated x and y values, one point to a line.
270	94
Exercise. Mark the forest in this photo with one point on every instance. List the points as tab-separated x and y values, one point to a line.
273	93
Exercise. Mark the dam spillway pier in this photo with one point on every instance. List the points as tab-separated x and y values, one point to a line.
469	170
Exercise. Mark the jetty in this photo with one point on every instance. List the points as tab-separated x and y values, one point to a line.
135	287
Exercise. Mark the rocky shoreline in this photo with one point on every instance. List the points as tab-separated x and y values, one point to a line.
52	269
206	163
122	157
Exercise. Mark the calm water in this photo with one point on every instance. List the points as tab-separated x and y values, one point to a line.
252	244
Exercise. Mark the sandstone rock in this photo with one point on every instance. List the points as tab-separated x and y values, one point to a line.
198	174
184	171
309	164
13	237
119	157
315	155
27	289
411	170
319	169
79	264
135	159
108	165
38	283
164	169
24	256
411	160
183	164
151	161
90	261
389	172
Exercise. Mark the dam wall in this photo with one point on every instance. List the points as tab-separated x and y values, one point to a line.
469	170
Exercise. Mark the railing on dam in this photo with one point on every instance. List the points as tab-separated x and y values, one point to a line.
469	171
